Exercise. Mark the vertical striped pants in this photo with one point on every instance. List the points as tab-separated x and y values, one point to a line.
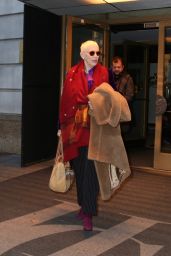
86	181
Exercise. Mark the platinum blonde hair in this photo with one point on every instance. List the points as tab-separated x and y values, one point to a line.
85	46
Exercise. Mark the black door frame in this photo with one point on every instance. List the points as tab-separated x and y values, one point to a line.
41	85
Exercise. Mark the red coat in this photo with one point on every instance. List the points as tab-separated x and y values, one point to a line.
75	93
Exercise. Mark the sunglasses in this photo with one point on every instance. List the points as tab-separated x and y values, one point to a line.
92	53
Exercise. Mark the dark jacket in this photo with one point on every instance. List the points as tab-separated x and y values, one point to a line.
122	83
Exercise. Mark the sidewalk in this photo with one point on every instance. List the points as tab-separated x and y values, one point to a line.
10	166
35	221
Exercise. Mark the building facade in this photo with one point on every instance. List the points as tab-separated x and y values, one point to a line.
11	45
39	43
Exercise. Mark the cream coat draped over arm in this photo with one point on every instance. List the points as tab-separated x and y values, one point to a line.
106	146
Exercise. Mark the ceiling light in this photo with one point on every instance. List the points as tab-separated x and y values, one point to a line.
119	1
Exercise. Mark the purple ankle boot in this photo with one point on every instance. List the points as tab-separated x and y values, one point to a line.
87	222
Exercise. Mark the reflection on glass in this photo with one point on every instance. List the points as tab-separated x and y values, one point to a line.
136	64
136	67
83	33
166	124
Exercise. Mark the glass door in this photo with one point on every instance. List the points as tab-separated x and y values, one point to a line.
137	67
81	30
162	154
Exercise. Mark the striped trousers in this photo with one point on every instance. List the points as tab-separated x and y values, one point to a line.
86	182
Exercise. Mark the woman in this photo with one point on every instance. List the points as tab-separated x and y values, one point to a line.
80	81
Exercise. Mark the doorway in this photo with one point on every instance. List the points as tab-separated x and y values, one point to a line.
139	50
143	49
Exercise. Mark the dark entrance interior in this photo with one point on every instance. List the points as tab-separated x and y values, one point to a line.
138	46
41	85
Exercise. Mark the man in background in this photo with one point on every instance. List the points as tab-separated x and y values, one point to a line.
120	80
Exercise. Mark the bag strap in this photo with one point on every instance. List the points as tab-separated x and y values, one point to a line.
59	151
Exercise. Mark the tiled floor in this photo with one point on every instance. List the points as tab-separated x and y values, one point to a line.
36	221
10	163
10	166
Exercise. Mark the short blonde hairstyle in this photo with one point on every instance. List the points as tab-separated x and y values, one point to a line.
84	46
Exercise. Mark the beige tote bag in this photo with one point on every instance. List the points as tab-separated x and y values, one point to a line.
62	175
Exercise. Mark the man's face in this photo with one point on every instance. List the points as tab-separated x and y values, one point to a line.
117	67
91	56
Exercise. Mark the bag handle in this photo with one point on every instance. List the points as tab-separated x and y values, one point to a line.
59	152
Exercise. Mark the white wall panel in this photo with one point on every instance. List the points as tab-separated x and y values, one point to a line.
10	102
11	26
9	51
11	76
10	6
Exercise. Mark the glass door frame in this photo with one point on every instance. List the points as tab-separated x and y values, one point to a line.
68	40
143	99
162	160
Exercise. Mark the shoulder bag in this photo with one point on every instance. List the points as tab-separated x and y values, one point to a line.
62	175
